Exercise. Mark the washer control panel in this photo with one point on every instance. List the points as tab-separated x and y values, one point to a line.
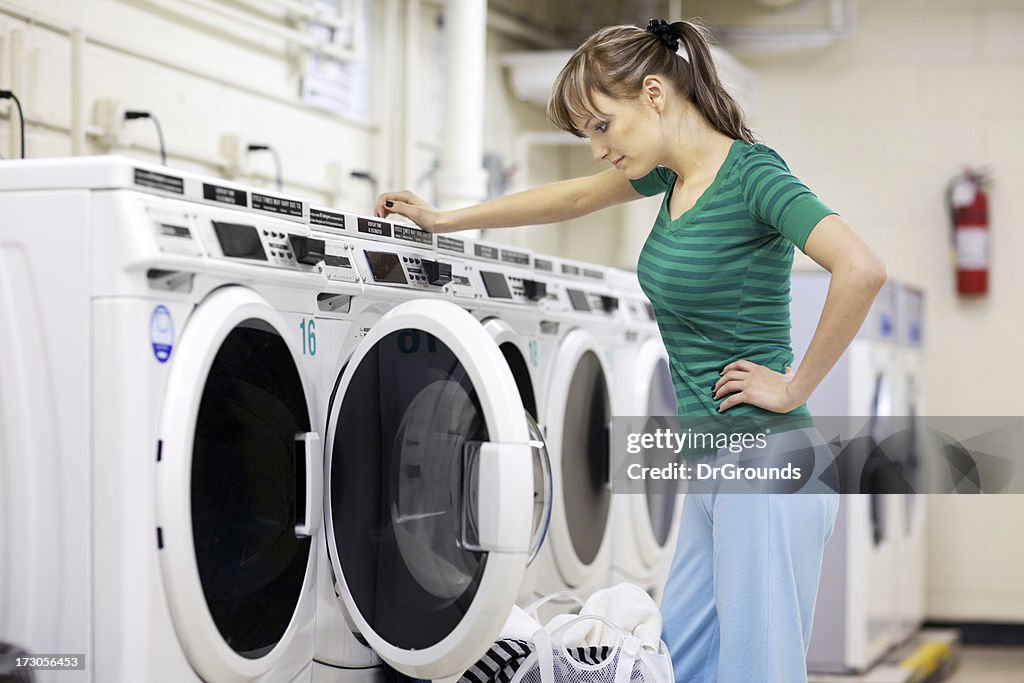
233	235
574	297
403	267
493	282
269	243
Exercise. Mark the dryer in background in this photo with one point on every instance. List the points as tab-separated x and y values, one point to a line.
854	615
645	526
160	422
913	462
576	409
429	469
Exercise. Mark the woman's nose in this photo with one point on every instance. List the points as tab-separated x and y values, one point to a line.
599	151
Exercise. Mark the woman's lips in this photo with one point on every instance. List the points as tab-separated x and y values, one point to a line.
618	162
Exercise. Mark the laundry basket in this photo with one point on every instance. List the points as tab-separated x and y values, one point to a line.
615	646
553	660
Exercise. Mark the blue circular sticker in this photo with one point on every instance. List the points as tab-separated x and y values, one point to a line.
161	333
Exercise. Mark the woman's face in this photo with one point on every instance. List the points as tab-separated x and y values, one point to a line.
626	134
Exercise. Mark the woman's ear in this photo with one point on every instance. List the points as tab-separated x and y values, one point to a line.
652	92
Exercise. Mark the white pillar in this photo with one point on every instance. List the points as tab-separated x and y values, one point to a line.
462	179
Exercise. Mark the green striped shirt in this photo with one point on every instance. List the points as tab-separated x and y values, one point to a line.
718	276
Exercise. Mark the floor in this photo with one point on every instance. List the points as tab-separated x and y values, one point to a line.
989	664
976	664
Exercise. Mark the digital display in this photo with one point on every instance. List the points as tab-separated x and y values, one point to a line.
578	300
239	241
337	261
496	285
385	267
543	264
174	230
650	310
596	274
570	270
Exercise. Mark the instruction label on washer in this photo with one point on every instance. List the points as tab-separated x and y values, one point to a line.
161	333
159	181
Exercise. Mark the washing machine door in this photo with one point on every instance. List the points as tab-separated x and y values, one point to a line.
578	425
655	514
238	472
429	500
515	350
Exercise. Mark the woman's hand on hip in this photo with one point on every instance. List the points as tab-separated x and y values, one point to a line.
746	382
407	204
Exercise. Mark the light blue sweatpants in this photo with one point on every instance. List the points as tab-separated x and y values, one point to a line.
740	597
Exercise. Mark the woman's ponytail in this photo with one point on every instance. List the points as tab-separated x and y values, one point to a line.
706	90
615	60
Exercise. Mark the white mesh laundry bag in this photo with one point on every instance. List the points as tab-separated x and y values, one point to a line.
627	661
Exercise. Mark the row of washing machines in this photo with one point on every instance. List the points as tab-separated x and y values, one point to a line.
872	592
244	438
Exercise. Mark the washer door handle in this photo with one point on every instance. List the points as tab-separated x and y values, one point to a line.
493	475
309	484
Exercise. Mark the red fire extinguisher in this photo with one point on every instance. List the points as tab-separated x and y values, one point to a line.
968	202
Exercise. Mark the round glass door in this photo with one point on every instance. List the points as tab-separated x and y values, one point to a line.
585	476
513	349
408	415
244	489
429	488
578	421
235	491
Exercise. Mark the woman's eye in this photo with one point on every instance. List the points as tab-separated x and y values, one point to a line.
601	127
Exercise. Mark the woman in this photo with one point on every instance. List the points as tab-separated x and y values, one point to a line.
740	597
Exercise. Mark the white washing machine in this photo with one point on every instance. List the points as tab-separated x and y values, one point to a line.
913	461
496	284
577	316
159	420
854	617
429	461
189	304
645	525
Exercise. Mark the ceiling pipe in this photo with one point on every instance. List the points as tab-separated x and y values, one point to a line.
462	179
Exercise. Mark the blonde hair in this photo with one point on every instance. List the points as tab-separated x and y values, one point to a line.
614	62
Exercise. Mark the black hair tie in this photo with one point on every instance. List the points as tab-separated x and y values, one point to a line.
663	30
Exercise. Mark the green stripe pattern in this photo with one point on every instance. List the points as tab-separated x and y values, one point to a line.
718	275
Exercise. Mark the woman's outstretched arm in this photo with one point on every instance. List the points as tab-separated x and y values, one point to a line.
550	203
